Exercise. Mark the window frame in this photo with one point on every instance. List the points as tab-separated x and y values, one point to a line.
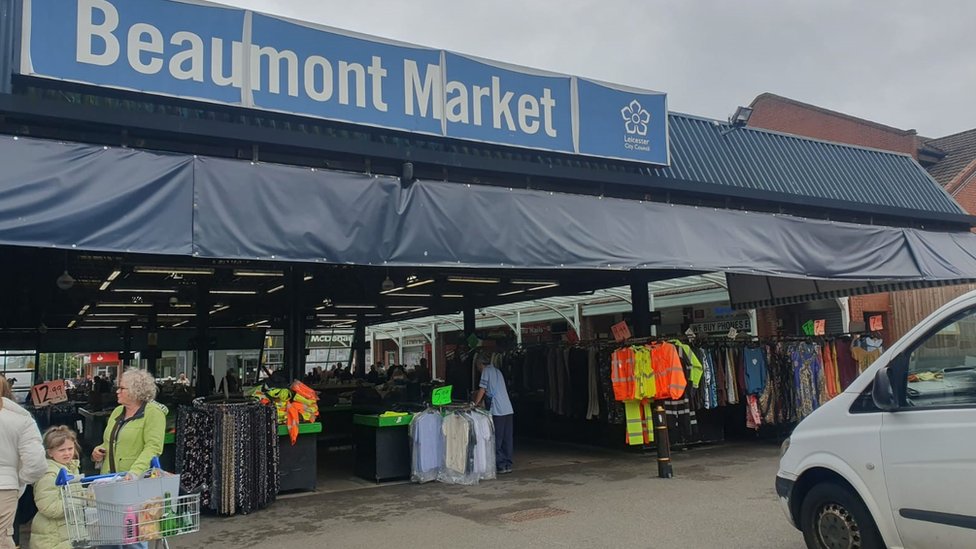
900	363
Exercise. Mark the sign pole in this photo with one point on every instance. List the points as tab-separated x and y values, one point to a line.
641	313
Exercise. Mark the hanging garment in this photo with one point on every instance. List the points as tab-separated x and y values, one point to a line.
865	355
833	359
552	389
755	369
579	382
427	446
622	374
753	417
593	385
640	422
846	365
669	374
643	373
459	444
808	378
731	390
710	392
694	375
484	448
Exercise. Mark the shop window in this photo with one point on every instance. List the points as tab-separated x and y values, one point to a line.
942	369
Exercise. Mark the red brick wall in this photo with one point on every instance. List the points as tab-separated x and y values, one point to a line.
778	114
966	196
766	322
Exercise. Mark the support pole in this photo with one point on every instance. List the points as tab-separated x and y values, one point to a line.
126	347
294	324
641	310
204	373
152	341
359	346
469	322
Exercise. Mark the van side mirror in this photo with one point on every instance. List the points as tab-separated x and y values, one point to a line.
883	392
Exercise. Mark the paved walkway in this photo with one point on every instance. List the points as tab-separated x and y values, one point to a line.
721	496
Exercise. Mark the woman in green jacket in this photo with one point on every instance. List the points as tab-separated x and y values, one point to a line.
49	529
136	428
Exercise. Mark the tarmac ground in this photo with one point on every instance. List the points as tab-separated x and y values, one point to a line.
720	496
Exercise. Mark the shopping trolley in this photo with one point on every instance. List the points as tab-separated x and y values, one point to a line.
110	510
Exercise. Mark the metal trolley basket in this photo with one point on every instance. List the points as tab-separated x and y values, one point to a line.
107	510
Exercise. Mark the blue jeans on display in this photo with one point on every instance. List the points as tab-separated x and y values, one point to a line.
504	447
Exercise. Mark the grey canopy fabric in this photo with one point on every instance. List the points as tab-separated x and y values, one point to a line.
122	200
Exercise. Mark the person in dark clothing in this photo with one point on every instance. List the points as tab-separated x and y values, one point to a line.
372	376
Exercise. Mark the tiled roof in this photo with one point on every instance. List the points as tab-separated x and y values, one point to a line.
706	152
960	151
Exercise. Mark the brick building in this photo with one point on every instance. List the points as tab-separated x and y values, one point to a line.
950	160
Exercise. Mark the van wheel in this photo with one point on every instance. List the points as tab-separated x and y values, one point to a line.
833	517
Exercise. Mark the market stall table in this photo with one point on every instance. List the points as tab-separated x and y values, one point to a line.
382	447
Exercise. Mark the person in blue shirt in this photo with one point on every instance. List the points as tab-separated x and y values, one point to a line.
492	386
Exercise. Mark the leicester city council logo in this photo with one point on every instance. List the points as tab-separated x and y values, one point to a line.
635	118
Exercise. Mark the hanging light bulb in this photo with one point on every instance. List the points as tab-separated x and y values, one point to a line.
65	281
388	284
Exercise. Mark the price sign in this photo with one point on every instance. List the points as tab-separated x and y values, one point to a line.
819	327
808	328
441	395
875	323
621	332
46	394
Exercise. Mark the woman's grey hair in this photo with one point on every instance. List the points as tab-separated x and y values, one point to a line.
140	384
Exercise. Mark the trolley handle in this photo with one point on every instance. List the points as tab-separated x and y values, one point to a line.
64	477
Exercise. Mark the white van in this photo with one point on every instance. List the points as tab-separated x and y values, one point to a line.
891	462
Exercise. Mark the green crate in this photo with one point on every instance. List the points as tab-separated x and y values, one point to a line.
380	421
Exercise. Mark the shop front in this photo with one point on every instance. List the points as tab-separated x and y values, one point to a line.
258	223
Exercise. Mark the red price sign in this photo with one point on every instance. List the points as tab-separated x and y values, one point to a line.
819	327
46	394
876	323
621	332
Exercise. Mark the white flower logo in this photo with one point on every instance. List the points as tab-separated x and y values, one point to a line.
635	118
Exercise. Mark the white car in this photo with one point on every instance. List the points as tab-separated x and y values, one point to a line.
891	462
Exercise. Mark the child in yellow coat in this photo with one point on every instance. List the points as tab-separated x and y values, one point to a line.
49	529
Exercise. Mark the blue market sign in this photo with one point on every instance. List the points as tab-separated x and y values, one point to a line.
219	54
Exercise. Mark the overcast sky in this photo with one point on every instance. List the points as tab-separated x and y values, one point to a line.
907	64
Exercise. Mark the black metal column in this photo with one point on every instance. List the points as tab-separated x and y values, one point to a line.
204	380
152	342
360	345
294	323
642	328
126	346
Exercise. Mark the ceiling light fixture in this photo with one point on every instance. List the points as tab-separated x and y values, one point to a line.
307	278
452	296
391	290
145	290
233	292
255	324
176	315
418	283
277	288
218	309
113	314
413	295
355	307
124	305
545	287
533	282
104	286
83	311
174	270
255	272
400	306
178	324
113	275
473	280
515	292
72	323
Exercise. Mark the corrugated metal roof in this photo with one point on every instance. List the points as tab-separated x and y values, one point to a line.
711	152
